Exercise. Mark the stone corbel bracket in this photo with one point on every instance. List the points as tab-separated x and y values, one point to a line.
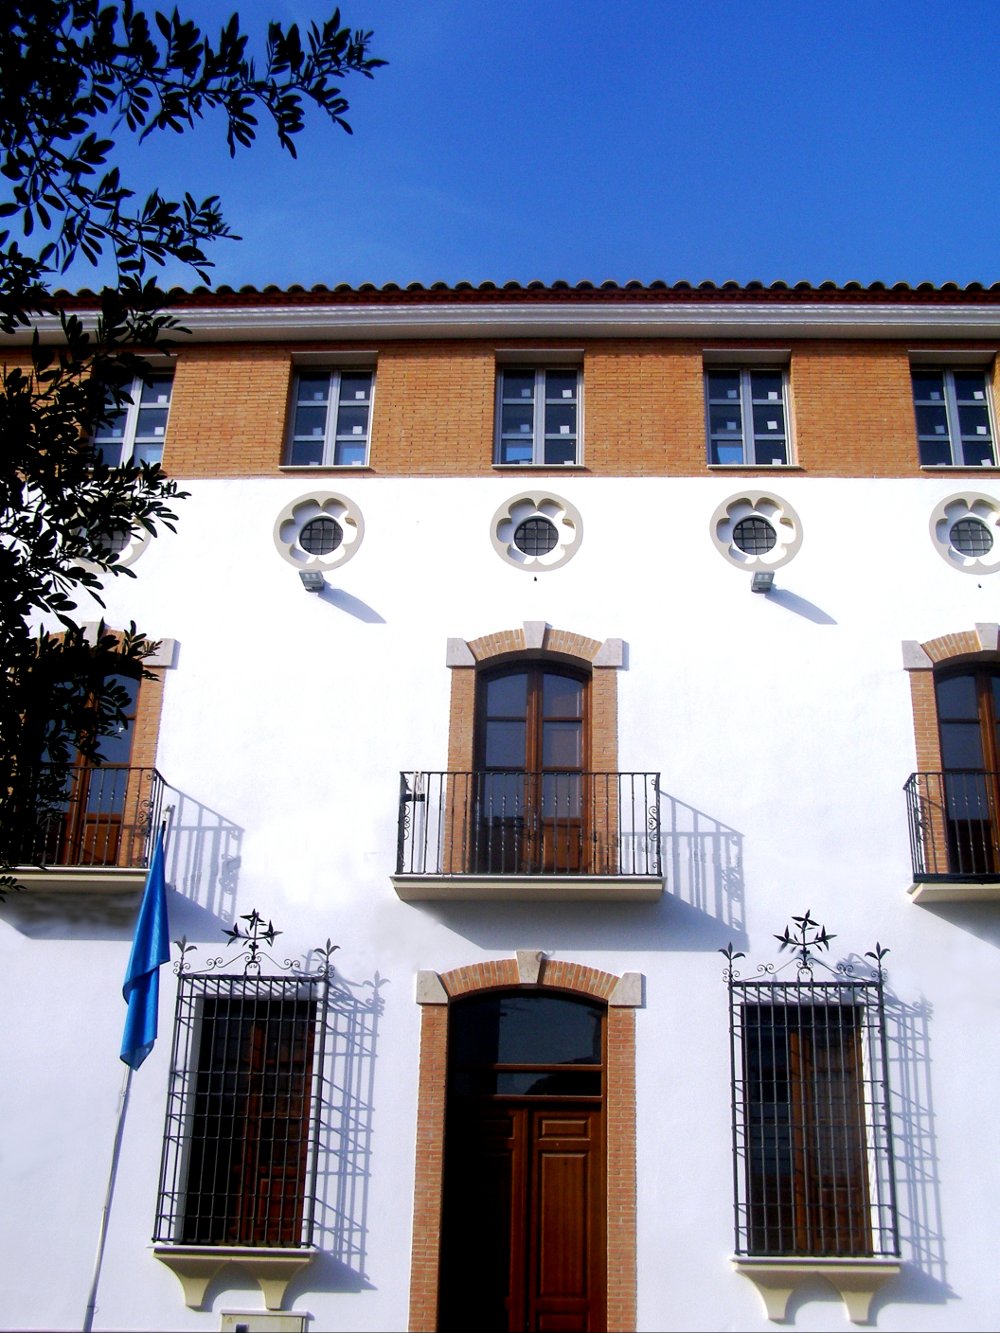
855	1280
195	1265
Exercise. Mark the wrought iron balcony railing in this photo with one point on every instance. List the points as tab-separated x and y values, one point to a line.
954	822
97	817
515	823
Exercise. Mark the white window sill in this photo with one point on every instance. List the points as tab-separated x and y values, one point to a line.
272	1269
855	1280
539	467
755	467
325	467
958	467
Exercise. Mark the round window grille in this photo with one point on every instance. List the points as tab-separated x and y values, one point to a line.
536	536
754	536
971	536
115	539
320	536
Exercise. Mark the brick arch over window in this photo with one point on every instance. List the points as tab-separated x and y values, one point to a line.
538	642
622	994
980	644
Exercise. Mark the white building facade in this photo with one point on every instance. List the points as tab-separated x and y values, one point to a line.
550	652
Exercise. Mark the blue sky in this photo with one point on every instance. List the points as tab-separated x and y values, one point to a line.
580	140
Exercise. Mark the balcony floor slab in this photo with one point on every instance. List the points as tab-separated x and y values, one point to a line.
528	888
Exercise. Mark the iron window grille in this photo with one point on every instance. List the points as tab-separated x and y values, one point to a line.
746	417
538	415
954	417
245	1098
813	1169
137	430
331	418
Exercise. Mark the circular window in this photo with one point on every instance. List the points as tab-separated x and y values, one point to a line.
536	536
965	529
536	531
754	536
115	539
320	536
319	531
970	536
756	531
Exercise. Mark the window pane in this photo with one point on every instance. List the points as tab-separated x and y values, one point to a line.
723	451
768	419
560	419
350	454
516	451
355	386
306	453
562	745
507	696
928	386
505	744
724	385
970	386
725	420
310	421
157	391
961	745
562	796
560	385
956	697
560	449
766	386
313	388
353	419
518	384
517	419
562	696
525	1030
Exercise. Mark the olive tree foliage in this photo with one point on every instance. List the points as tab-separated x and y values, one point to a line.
77	78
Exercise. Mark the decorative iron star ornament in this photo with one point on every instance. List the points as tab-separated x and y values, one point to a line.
255	935
820	938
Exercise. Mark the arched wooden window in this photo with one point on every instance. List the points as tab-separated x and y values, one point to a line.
533	805
968	711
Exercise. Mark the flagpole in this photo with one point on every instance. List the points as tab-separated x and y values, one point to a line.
156	860
102	1235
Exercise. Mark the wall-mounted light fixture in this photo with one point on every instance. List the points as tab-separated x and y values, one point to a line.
762	580
313	580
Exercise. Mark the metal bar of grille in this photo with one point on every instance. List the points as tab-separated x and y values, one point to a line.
243	1112
954	823
506	822
812	1146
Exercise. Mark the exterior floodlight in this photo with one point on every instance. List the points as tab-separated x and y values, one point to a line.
762	580
313	580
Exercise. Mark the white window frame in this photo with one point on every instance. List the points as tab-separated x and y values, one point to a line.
131	435
952	405
540	370
331	439
747	436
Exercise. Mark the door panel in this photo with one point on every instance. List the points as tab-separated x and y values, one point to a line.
969	724
523	1241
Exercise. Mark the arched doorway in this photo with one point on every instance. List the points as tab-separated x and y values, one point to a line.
523	1240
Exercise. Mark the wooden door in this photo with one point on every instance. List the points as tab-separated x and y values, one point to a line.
531	760
525	1246
968	706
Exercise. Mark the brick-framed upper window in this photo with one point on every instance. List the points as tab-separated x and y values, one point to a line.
746	415
954	416
138	429
538	415
331	418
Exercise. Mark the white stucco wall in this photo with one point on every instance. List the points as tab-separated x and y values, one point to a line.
782	729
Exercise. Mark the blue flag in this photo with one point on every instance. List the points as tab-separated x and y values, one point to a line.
150	948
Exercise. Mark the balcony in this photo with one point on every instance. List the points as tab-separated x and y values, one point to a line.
954	820
567	836
89	832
